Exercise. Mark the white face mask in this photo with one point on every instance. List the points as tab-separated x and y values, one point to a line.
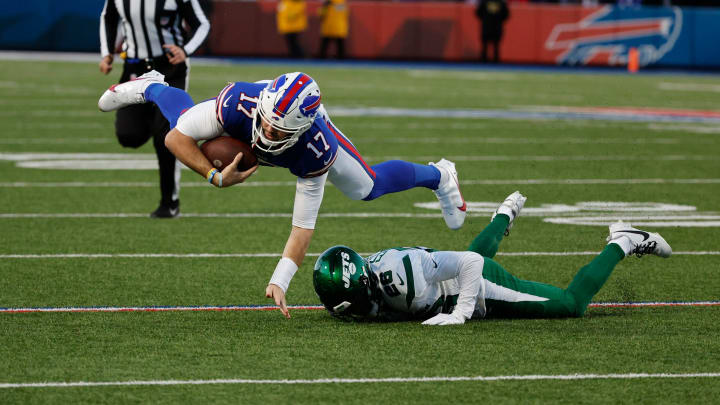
287	105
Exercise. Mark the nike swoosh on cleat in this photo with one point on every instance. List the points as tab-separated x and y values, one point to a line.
644	234
462	208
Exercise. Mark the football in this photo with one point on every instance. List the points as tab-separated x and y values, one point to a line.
222	150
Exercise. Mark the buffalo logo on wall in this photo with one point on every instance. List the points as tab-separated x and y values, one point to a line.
605	36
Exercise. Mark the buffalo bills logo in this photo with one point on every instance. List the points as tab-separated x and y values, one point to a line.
310	105
277	84
605	36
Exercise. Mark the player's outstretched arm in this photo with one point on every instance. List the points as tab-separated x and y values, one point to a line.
293	256
467	267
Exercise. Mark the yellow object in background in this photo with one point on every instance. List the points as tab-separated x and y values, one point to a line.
334	15
291	16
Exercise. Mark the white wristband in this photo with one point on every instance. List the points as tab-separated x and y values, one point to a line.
284	272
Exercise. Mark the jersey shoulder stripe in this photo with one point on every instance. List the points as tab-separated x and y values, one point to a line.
220	101
410	296
350	148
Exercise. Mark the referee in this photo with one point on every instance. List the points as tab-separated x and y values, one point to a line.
154	37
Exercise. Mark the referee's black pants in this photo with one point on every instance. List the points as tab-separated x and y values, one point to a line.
135	124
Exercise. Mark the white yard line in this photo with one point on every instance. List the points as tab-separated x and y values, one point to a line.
20	139
140	161
250	255
523	141
222	215
234	308
83	184
698	87
526	377
570	217
34	156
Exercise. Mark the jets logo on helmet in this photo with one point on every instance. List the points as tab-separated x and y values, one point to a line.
348	268
345	285
288	106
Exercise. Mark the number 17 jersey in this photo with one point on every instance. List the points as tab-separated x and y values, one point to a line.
312	155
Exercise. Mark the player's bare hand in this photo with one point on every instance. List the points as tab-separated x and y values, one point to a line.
277	294
231	175
106	64
175	54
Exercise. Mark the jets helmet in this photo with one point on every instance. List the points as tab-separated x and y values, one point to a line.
289	105
345	285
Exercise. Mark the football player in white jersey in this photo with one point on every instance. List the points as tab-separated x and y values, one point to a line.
448	288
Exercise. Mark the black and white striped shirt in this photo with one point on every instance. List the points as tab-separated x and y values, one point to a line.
147	25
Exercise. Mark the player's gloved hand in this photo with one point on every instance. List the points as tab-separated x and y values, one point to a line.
445	319
231	175
276	293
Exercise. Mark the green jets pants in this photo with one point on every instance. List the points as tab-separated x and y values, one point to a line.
569	302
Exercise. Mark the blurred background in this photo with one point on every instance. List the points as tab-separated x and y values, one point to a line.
660	33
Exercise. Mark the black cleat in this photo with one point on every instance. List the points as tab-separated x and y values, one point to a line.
171	210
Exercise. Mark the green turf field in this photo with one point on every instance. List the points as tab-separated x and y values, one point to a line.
74	237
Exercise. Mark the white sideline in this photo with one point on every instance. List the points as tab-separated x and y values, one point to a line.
527	377
248	255
83	184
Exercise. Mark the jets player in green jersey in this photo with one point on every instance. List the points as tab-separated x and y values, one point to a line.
448	288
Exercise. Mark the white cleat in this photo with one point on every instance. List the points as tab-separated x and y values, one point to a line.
641	242
511	207
453	204
128	93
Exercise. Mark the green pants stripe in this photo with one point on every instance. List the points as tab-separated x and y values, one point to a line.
568	302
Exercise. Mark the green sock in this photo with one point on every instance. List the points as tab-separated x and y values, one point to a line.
588	281
488	241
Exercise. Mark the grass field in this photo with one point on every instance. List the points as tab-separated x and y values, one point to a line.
75	233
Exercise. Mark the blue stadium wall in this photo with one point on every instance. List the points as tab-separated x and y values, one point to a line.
50	25
534	33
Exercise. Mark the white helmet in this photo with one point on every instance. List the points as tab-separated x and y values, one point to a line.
289	104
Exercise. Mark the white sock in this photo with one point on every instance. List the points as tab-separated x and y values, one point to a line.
504	209
624	243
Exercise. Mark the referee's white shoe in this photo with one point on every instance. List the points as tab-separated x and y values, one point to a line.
128	93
